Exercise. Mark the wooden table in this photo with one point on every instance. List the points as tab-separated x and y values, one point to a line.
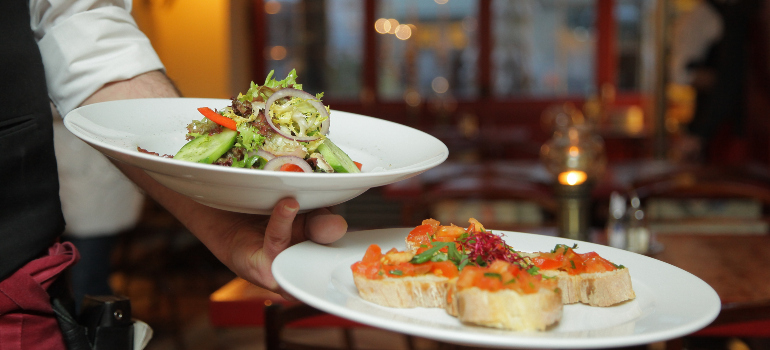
736	266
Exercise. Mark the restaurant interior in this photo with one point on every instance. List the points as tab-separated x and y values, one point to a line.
639	124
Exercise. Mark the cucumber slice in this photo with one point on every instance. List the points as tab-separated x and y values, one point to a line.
336	158
207	148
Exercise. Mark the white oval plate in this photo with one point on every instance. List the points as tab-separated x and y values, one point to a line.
389	153
670	302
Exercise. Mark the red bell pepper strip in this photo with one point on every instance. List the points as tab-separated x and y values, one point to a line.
217	118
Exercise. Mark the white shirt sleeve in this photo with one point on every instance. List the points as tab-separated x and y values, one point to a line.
86	44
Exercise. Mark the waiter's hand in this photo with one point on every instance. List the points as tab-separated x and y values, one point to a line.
256	241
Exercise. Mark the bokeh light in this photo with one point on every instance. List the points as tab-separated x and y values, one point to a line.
403	31
440	85
277	53
382	26
272	7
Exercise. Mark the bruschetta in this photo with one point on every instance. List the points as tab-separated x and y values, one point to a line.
503	295
397	279
585	278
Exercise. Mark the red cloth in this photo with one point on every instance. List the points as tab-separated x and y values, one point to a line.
27	320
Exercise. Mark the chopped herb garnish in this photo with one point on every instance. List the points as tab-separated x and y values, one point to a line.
493	275
428	254
396	272
533	270
439	257
572	262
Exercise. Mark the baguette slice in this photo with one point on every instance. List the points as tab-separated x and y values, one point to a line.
595	289
509	309
404	292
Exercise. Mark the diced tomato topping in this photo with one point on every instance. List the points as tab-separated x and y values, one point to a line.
421	269
420	235
566	259
502	275
548	261
489	283
449	233
594	263
468	277
373	254
445	268
370	271
358	165
399	270
433	223
291	167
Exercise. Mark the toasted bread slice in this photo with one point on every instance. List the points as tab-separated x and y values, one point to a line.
595	289
404	292
509	309
451	299
600	288
503	295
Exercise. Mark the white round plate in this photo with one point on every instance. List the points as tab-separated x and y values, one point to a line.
670	302
389	153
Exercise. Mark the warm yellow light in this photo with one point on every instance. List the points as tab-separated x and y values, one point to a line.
391	26
403	31
574	151
277	53
572	177
272	7
382	26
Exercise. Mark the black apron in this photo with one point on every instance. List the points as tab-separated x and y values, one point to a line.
30	210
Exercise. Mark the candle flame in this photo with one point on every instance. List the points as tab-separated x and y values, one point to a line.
572	177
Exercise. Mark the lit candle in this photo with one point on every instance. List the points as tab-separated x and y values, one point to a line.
572	177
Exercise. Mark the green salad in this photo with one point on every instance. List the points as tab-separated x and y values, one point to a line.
275	126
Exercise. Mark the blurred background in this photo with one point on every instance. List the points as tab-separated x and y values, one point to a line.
498	82
463	69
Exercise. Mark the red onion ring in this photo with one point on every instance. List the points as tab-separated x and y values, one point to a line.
265	154
276	163
291	92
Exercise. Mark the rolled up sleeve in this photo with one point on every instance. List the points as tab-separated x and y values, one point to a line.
86	50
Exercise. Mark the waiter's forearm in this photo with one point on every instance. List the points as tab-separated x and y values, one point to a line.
147	85
153	84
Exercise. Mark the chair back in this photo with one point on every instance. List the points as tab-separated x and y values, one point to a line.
706	200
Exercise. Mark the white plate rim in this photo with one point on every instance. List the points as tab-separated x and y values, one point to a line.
315	289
